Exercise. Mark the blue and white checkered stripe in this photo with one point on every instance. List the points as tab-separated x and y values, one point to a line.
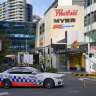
22	79
1	77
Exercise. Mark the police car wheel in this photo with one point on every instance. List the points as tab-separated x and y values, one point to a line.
6	83
48	83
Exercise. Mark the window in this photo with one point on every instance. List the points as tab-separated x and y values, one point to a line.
20	71
85	21
94	15
88	19
42	28
94	1
88	3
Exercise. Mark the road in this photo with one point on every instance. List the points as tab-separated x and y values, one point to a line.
73	87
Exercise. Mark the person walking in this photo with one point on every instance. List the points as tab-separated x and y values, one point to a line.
42	67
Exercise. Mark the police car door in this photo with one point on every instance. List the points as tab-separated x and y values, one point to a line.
30	78
16	77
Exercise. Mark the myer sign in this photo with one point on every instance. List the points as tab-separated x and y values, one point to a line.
0	45
61	12
68	17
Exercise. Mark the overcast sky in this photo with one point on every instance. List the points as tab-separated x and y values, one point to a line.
39	6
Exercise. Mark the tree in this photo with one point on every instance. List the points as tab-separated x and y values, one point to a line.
5	48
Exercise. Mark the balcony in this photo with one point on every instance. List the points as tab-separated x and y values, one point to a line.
12	8
12	11
90	27
12	1
90	9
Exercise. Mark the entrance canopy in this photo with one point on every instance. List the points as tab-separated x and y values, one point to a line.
79	44
82	48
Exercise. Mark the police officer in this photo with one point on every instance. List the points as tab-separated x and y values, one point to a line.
42	67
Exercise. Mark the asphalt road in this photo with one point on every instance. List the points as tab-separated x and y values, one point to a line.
73	87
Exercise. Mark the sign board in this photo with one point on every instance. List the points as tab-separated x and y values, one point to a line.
92	48
47	58
85	75
0	45
40	57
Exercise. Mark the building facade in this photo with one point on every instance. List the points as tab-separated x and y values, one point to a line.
51	34
90	32
15	10
21	35
65	3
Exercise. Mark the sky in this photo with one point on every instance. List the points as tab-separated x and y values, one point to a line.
39	6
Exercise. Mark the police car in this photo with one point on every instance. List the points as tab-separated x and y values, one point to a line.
28	76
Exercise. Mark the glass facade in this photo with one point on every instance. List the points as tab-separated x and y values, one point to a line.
20	34
91	17
42	34
90	36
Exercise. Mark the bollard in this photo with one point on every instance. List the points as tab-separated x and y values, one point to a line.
83	82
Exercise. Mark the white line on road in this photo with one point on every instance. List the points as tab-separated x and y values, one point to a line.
73	91
37	92
4	93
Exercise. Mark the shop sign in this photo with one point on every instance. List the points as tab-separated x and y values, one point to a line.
74	46
92	48
47	58
40	57
61	12
61	26
67	20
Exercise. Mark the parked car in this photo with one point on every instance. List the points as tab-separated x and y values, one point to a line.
28	76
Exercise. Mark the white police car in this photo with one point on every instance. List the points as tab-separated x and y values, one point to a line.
28	76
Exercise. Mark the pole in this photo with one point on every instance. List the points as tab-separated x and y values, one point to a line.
26	45
51	54
83	81
89	58
43	50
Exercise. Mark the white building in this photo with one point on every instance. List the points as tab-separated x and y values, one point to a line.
61	17
90	32
15	10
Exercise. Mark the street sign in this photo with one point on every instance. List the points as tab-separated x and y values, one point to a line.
0	45
92	48
40	57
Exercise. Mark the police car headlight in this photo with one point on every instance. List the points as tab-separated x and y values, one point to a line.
58	77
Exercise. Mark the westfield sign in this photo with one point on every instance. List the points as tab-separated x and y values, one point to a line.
61	12
65	21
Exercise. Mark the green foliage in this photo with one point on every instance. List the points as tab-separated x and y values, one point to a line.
35	66
48	69
52	70
5	49
1	70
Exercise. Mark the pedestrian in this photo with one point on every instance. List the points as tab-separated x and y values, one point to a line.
42	67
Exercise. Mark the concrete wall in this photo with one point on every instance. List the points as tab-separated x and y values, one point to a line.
64	2
73	36
51	33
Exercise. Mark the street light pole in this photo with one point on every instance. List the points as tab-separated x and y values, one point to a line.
89	67
26	45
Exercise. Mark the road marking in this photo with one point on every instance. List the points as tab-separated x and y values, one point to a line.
87	79
37	92
73	91
80	79
4	93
